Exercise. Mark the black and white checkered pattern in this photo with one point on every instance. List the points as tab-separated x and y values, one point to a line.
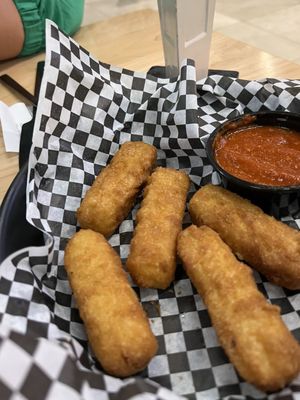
35	368
86	110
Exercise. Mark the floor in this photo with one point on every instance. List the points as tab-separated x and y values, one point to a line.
271	25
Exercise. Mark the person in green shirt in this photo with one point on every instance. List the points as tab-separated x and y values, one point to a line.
22	23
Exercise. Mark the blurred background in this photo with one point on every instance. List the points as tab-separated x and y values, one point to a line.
270	25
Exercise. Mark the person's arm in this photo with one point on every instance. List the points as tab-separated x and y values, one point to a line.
11	30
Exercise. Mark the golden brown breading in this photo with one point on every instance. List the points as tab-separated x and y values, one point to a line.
109	200
117	327
152	258
249	328
268	245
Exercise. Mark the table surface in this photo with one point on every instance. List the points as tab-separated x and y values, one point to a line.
133	41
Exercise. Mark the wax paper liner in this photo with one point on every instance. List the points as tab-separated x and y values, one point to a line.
86	110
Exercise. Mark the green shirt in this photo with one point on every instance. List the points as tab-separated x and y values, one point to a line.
67	14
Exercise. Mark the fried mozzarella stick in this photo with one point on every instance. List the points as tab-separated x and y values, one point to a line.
249	328
116	325
152	258
268	245
109	200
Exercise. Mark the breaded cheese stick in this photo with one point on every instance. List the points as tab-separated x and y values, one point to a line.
249	328
109	200
152	258
268	245
116	325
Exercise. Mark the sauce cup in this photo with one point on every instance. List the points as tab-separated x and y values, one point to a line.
259	193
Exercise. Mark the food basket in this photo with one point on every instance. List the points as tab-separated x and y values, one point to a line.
86	110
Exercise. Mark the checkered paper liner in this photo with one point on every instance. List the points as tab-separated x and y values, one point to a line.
87	109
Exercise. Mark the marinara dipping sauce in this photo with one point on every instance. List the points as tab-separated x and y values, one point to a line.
266	155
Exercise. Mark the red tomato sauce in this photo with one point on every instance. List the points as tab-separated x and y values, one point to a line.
267	155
